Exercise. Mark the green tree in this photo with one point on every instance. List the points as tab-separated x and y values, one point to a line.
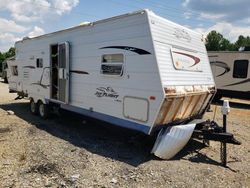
5	55
8	54
216	42
2	57
226	45
242	41
213	41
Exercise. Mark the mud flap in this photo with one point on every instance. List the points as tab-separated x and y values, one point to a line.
171	140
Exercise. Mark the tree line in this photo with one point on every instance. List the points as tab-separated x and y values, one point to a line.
216	42
6	55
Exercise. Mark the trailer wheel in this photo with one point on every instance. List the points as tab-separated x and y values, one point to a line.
33	107
43	110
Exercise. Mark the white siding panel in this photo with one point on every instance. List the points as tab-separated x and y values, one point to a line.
140	77
164	38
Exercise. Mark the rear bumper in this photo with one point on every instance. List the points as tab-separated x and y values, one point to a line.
184	103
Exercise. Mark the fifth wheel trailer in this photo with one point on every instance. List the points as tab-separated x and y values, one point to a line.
137	70
231	73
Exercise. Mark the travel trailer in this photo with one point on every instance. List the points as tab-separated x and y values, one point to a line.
3	71
14	80
231	73
5	68
137	70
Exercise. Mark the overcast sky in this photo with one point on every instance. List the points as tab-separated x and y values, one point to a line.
20	18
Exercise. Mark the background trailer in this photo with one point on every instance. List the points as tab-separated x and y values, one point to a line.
231	73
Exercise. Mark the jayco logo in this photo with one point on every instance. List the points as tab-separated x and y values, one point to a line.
106	92
182	34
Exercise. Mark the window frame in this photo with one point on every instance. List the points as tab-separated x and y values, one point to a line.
237	61
113	63
39	62
14	70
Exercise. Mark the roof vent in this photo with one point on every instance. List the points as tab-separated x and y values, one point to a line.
26	38
84	23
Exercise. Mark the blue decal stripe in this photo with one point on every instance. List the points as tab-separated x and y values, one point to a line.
129	48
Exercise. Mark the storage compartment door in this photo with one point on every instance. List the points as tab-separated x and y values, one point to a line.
136	108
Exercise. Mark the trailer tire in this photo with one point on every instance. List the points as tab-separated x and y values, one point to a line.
33	107
43	110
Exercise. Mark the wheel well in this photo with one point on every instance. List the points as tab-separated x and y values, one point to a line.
32	99
39	101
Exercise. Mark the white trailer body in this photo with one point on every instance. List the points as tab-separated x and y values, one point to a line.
231	73
14	80
136	70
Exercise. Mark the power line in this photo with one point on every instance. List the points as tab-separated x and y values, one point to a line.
132	6
173	10
173	14
163	6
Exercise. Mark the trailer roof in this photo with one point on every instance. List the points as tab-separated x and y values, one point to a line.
88	24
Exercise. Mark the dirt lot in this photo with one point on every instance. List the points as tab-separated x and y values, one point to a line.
71	151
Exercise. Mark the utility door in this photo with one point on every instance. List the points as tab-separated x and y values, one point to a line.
59	54
63	72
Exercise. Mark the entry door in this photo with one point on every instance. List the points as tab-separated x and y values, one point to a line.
63	72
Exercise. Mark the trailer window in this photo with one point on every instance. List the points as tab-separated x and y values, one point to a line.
14	70
240	68
39	63
112	64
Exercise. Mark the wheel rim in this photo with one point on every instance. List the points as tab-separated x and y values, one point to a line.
41	109
32	106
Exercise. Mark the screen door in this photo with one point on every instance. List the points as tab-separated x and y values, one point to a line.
63	72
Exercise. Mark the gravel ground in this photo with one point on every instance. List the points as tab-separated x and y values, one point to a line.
72	151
